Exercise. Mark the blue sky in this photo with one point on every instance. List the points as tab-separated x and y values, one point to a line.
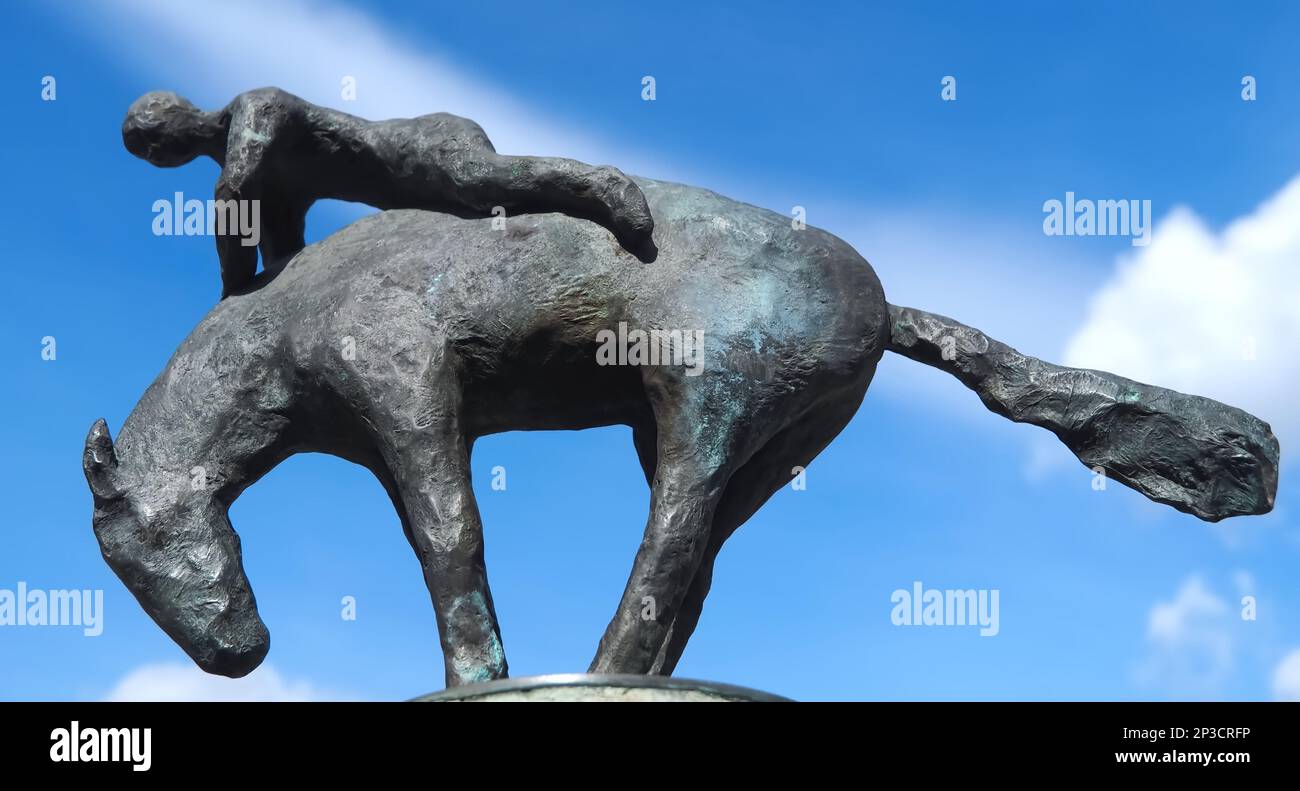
1103	595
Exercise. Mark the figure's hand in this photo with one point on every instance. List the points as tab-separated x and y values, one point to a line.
630	217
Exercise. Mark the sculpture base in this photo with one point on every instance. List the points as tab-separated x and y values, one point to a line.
594	688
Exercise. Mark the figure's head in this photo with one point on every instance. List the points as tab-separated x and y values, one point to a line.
166	130
175	550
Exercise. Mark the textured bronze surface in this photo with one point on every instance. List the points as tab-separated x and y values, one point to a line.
401	339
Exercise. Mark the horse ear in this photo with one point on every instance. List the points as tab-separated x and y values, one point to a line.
99	461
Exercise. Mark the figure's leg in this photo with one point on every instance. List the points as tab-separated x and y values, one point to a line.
600	193
431	470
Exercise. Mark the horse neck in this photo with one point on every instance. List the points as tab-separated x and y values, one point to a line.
215	420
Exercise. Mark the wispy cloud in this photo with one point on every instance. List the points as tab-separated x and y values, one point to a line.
1206	644
171	681
1286	678
214	51
1190	641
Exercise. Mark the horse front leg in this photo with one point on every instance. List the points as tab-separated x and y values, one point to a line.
431	470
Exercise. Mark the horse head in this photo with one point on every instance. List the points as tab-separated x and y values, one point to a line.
172	544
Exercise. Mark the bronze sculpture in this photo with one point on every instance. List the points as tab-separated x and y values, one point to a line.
460	329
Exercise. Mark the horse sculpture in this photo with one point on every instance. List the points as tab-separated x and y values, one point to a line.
399	340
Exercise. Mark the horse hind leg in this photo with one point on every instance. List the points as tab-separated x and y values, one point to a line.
698	439
771	468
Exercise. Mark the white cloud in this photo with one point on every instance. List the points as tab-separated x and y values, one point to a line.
1199	645
1286	677
1191	642
1176	621
1191	310
172	681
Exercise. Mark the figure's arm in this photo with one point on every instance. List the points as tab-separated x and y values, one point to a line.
257	120
238	260
258	123
600	193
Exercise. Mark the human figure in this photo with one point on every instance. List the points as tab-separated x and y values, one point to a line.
288	153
